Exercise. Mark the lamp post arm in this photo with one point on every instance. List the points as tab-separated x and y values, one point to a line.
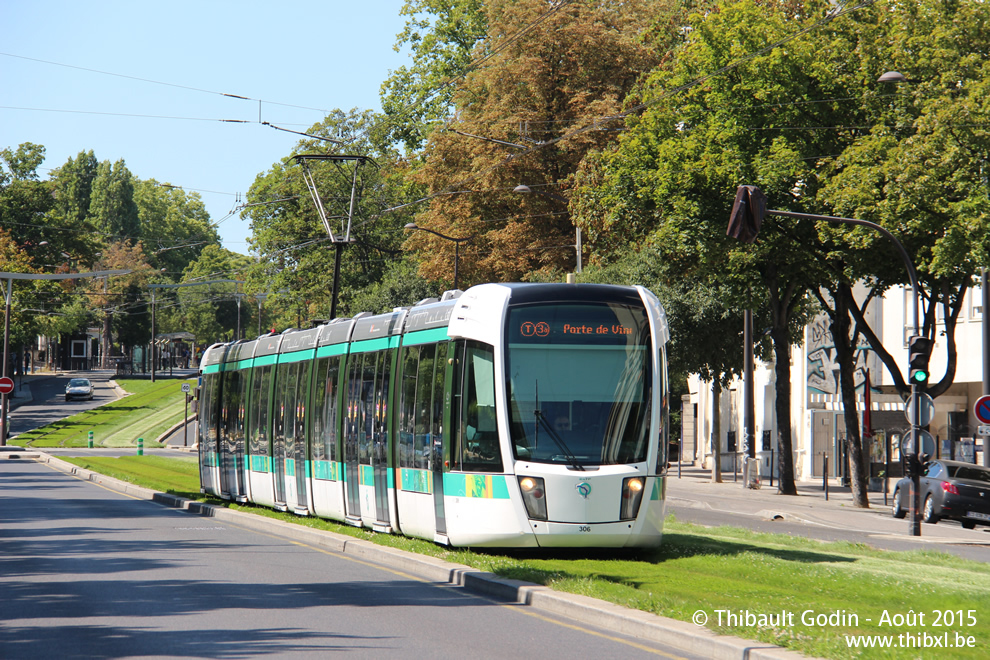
908	264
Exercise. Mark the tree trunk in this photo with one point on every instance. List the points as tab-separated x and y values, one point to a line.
716	433
782	404
845	354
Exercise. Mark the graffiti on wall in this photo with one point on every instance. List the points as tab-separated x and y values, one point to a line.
823	366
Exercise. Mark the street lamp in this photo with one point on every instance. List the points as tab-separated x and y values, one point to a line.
526	190
892	77
456	241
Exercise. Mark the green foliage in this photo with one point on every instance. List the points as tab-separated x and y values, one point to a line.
296	255
209	311
112	209
175	226
400	286
22	164
441	35
74	186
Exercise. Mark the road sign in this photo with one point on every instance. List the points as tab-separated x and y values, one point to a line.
927	409
983	430
186	387
6	385
982	409
927	444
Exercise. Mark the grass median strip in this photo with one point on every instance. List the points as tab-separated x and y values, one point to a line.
810	596
149	410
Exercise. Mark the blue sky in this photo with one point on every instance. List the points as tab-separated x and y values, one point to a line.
306	53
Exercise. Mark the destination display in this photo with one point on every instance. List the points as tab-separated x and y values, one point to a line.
577	324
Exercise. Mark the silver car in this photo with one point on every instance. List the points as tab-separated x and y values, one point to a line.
79	388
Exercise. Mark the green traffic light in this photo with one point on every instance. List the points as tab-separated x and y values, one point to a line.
919	376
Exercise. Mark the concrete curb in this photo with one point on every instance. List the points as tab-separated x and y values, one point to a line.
642	625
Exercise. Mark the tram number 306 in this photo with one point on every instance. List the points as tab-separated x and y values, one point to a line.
584	528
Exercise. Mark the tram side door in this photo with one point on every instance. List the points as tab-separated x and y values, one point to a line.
227	444
352	423
278	436
441	413
379	454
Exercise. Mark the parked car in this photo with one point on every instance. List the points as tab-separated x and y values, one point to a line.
79	388
950	490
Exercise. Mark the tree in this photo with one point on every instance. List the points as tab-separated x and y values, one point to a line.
671	180
112	209
783	91
921	170
74	187
22	163
441	35
113	298
211	311
571	67
175	225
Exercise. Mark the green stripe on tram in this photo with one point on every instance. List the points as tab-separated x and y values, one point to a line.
265	360
330	351
297	356
425	337
369	345
212	368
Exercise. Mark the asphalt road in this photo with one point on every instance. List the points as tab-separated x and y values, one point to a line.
49	404
87	572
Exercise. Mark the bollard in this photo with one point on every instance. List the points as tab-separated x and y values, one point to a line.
89	442
140	447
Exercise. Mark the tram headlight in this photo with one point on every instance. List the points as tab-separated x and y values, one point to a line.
534	495
632	497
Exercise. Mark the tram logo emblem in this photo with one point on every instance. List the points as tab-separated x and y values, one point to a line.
583	489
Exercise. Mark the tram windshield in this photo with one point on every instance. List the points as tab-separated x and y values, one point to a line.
578	379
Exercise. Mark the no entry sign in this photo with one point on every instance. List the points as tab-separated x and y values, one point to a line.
982	409
6	385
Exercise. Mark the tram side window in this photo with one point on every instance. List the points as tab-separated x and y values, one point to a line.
477	446
407	407
231	406
207	429
325	409
285	411
382	396
261	388
423	443
302	394
366	404
243	391
439	381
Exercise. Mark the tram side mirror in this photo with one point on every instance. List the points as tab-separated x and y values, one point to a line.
673	452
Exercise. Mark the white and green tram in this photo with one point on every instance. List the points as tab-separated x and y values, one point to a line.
509	415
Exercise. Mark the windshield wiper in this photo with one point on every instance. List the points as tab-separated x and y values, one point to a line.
561	445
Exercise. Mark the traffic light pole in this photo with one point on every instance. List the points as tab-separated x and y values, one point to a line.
744	224
914	403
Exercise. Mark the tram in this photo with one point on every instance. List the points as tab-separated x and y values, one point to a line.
507	415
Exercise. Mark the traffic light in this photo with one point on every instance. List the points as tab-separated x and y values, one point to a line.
747	214
919	350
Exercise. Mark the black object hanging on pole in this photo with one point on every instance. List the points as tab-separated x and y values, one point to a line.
747	214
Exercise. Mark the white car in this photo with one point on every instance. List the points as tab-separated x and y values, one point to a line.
79	388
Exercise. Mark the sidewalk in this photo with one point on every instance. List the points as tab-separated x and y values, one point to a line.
695	489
